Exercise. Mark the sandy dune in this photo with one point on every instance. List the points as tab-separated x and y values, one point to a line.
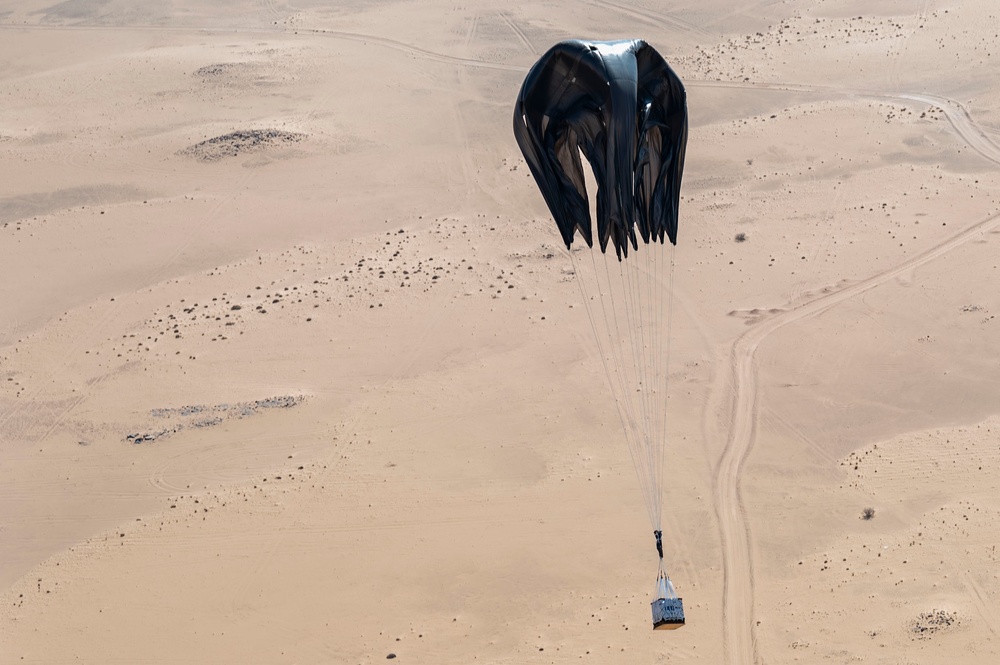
293	367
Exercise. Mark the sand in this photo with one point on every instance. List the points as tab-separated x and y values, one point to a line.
293	367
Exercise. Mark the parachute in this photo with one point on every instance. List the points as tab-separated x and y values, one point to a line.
620	106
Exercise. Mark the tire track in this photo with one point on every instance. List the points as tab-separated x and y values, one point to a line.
414	50
272	9
981	600
470	36
960	120
738	586
350	36
655	18
957	115
753	10
519	33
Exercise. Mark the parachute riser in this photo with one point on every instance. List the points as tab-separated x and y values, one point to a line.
667	607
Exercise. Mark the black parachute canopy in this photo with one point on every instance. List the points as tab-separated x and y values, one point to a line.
621	105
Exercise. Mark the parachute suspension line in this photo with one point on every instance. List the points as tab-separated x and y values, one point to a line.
649	316
652	360
630	388
659	317
637	317
632	287
622	404
641	435
662	313
653	381
659	372
667	331
655	297
658	366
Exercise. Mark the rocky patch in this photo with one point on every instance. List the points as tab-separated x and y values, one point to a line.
204	415
240	142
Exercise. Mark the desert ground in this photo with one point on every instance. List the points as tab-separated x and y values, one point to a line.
293	367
